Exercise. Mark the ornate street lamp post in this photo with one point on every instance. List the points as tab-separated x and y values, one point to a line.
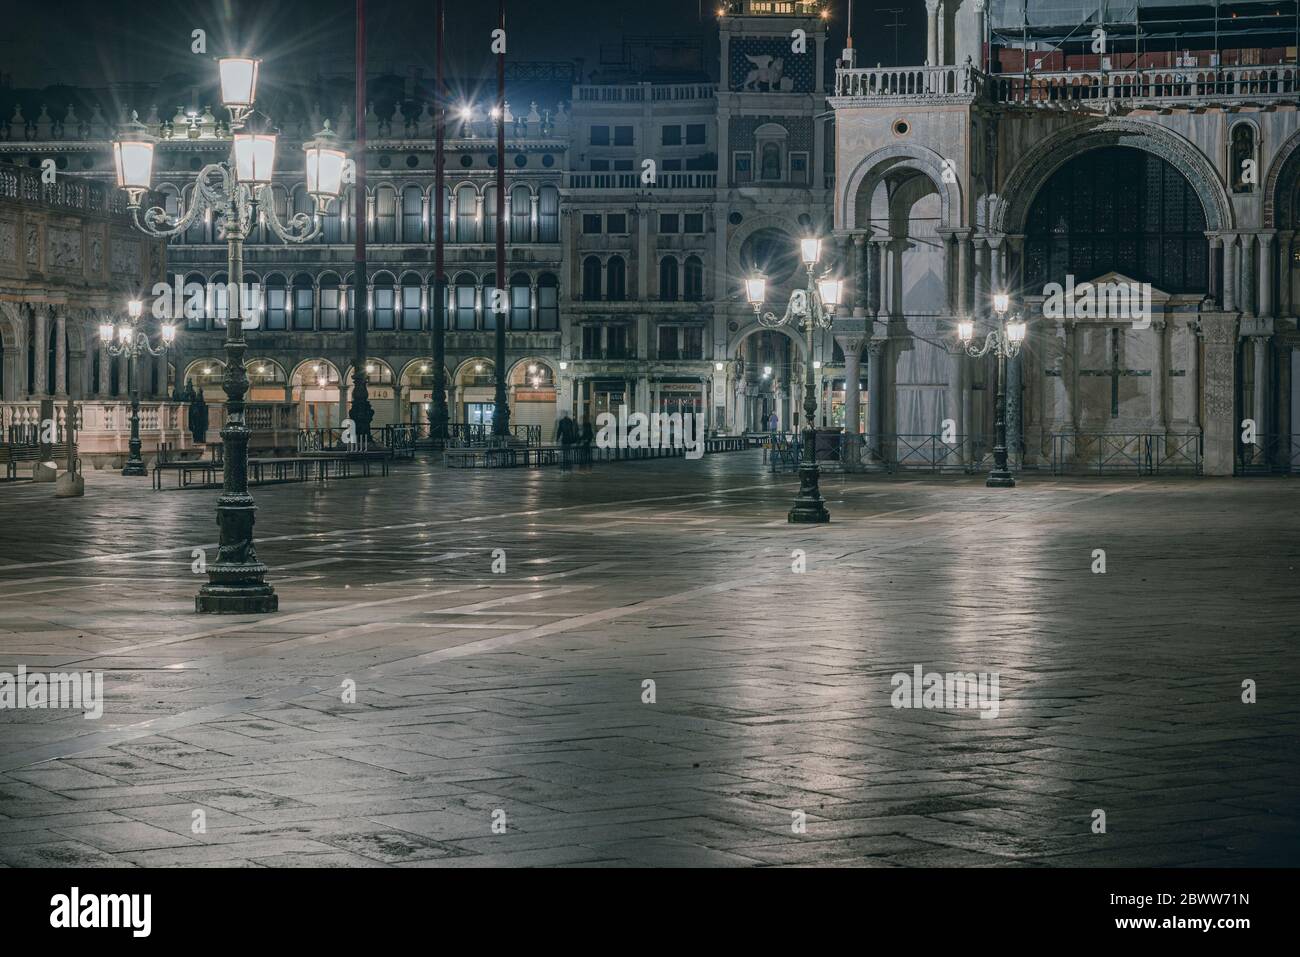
236	191
129	339
813	307
1006	341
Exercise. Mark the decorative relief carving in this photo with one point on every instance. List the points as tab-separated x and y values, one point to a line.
126	257
8	241
63	248
33	244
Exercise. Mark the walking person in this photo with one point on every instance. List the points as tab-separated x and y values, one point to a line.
588	437
567	433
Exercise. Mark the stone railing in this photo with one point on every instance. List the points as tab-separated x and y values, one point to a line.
642	92
910	83
625	180
106	425
65	193
1185	84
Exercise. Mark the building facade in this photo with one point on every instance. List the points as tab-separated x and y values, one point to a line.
1070	163
622	279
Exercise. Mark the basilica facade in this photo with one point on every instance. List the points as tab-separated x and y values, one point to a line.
1064	172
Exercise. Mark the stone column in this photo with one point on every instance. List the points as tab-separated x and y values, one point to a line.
1284	301
42	383
1247	274
1259	394
105	379
1229	297
1065	376
1215	242
60	354
1219	333
997	277
861	291
932	32
876	361
124	376
1266	274
956	386
1159	378
875	248
963	272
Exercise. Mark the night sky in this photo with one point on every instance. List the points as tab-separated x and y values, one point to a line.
98	43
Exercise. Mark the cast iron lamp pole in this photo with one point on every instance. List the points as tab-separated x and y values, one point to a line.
1005	340
236	190
132	341
813	307
501	406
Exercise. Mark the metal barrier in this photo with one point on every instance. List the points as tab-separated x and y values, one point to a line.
1141	453
1268	455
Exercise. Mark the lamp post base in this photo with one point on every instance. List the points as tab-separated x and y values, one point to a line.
1000	478
809	508
252	598
135	467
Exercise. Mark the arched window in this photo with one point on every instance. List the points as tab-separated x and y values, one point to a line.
521	301
668	279
253	304
694	279
446	214
616	279
521	215
591	279
385	215
412	315
464	302
1118	209
548	302
276	313
349	301
466	215
412	215
329	302
548	215
489	214
383	299
1243	154
771	165
303	302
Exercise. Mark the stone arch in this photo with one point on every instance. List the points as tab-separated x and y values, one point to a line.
1038	164
754	225
12	338
873	168
737	338
534	360
1280	185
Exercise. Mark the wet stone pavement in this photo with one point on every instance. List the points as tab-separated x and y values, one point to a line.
520	698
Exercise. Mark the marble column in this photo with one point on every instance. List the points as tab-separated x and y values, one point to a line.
1229	272
932	32
1065	331
877	355
1284	299
1159	377
60	354
1266	275
1259	394
42	383
861	290
1247	273
875	248
956	386
852	384
105	377
963	273
1219	333
1214	242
